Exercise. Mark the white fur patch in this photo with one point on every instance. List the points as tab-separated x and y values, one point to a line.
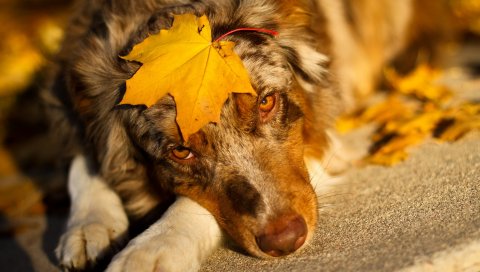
312	61
321	181
97	219
180	241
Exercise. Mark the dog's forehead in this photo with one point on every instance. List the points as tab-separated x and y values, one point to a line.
269	72
266	64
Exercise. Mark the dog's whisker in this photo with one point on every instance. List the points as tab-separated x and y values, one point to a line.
329	160
333	195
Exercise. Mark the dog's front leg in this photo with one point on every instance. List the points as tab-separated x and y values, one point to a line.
180	241
97	219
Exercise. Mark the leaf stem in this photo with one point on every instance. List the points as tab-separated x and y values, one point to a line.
261	30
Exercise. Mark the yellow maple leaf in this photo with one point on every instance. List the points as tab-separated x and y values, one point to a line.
184	62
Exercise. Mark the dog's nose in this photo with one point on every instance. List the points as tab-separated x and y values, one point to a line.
283	235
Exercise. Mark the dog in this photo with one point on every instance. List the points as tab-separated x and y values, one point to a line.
250	177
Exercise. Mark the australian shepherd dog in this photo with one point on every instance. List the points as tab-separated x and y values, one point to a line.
246	177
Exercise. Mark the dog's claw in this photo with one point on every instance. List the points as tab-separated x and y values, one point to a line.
82	246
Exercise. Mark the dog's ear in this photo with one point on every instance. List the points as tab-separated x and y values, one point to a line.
308	65
304	41
312	75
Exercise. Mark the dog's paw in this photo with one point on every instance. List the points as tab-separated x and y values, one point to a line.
154	255
84	244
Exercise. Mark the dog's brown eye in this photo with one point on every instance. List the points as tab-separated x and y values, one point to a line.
182	153
267	104
267	107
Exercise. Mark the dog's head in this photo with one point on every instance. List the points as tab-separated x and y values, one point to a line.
248	170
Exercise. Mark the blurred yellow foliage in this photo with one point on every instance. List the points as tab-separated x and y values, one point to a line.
463	120
28	36
418	108
19	60
421	83
23	49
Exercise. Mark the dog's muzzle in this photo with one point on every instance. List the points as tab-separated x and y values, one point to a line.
283	236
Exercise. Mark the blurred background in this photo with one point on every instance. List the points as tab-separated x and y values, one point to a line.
32	181
30	35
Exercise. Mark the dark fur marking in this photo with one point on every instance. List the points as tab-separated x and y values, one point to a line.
349	15
122	89
293	112
126	49
256	55
125	107
64	118
59	89
98	26
219	30
158	21
256	39
289	114
244	197
294	60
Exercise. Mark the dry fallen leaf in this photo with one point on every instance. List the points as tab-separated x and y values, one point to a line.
391	108
458	122
184	62
418	108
